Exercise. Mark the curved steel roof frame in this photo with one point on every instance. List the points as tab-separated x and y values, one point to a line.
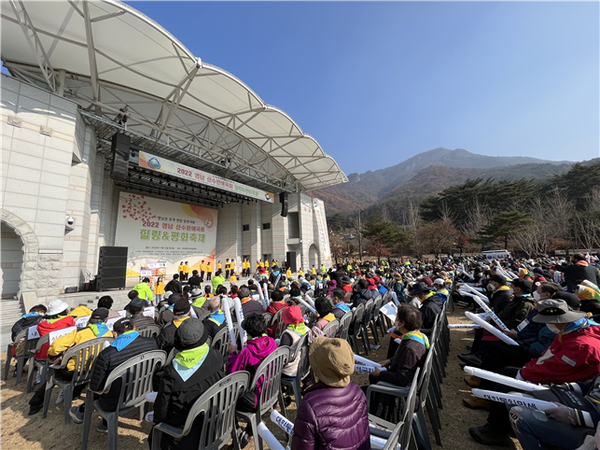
108	56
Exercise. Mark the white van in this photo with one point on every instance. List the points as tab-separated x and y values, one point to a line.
496	254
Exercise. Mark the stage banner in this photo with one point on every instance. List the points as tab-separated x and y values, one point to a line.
319	210
160	164
159	234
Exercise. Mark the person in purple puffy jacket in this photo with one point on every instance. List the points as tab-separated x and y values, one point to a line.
333	414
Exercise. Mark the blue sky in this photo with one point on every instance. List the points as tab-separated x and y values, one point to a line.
376	83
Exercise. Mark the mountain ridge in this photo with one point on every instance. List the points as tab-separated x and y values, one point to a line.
367	188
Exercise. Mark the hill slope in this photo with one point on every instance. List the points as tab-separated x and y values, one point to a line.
367	188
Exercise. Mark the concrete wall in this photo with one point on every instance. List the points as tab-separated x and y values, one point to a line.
232	242
51	171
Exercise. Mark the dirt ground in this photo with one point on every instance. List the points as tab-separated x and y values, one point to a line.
22	432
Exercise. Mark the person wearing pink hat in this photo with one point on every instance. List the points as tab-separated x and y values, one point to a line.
295	329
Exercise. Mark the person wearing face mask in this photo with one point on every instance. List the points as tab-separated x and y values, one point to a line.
276	277
533	338
431	304
500	292
573	356
517	309
410	355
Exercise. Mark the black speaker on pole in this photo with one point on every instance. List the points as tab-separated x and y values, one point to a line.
120	152
284	204
112	268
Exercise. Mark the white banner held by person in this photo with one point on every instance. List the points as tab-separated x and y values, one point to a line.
81	322
503	379
111	322
239	312
282	422
514	399
53	335
149	311
310	308
227	310
463	325
491	313
268	437
488	327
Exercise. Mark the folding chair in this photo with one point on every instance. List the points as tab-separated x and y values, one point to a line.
40	364
303	370
269	372
368	315
425	401
29	345
136	382
383	428
330	330
375	319
345	322
84	355
220	342
217	405
149	331
356	327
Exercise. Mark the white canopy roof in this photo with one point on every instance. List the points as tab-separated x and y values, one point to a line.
107	56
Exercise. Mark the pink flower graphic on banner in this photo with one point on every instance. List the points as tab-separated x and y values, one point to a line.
135	207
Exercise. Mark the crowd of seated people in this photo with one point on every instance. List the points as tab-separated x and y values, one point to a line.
558	345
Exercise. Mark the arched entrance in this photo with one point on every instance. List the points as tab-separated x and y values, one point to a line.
313	256
11	256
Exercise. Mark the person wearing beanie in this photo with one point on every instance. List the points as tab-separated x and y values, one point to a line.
295	329
195	368
181	312
96	328
127	344
333	414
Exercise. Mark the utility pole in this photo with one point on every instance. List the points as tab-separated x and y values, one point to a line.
360	250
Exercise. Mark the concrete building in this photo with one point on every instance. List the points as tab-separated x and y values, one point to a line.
59	110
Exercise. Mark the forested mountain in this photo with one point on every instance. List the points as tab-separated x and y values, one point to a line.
427	173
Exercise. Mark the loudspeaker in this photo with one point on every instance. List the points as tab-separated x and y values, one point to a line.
112	268
291	260
120	152
284	204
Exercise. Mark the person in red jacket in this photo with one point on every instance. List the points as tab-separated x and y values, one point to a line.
573	356
56	319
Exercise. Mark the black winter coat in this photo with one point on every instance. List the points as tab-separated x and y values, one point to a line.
430	310
176	397
23	324
108	360
576	273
